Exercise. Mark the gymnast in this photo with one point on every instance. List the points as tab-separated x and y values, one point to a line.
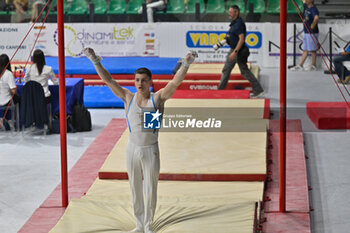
142	152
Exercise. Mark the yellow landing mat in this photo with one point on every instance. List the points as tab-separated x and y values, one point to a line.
216	68
212	68
183	207
237	108
201	153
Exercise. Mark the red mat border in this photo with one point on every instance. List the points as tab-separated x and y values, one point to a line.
190	177
211	94
194	85
267	109
297	217
160	76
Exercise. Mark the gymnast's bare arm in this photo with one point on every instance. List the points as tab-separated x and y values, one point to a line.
167	92
119	91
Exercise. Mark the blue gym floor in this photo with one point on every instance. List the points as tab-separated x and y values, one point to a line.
116	65
102	96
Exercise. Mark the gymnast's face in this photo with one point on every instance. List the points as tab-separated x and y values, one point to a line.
142	82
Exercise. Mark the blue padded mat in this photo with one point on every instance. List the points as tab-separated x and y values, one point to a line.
116	65
103	97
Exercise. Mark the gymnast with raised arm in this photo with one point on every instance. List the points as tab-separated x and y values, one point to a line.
142	152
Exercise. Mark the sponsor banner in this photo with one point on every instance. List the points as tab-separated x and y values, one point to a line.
202	36
114	40
11	36
107	39
167	40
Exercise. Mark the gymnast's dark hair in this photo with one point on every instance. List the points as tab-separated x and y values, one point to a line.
235	7
144	70
4	60
39	60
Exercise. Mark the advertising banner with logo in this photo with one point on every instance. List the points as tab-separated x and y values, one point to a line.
107	39
167	40
11	36
202	36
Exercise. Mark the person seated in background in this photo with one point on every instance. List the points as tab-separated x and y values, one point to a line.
154	5
41	73
342	71
4	5
21	6
7	86
35	9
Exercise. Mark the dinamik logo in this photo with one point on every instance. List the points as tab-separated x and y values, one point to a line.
74	46
152	120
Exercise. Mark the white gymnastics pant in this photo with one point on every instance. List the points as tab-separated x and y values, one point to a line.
143	160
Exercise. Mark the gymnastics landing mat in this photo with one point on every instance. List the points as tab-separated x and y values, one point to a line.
246	127
212	68
238	108
197	71
212	156
245	141
329	115
45	217
189	207
211	94
212	71
185	85
200	76
102	96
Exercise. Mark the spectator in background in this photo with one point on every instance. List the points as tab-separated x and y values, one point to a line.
41	73
4	5
153	5
21	6
35	10
342	71
310	35
7	86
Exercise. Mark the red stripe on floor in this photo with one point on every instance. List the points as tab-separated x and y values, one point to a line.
211	94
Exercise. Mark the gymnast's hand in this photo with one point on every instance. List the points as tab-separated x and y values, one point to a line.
189	58
89	53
